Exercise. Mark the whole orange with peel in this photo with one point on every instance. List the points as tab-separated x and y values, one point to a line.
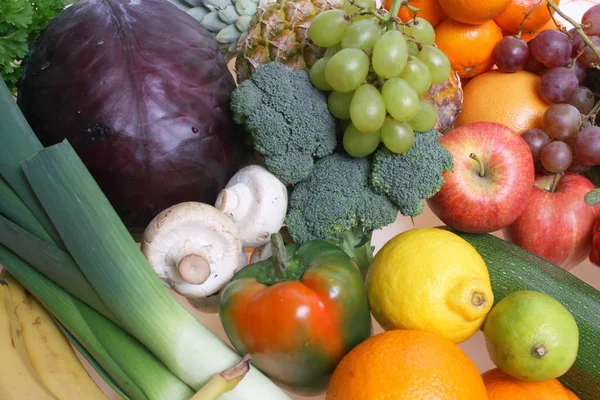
510	20
501	386
474	11
406	364
470	48
509	99
428	9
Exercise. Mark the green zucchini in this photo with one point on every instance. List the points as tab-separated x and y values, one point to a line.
512	268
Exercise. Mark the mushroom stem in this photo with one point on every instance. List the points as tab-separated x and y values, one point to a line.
194	269
280	257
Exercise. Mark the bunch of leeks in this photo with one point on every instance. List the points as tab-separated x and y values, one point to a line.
61	238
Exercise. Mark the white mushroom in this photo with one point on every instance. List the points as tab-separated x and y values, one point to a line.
194	248
256	201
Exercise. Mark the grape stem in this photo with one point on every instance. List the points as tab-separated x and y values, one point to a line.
479	162
578	27
525	18
391	19
591	116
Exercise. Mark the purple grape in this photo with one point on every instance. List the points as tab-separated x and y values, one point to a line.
577	166
587	145
576	43
536	139
552	48
511	54
558	84
589	58
579	71
533	65
582	99
556	156
561	121
592	17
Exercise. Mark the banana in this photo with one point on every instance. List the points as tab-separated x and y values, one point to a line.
49	351
18	379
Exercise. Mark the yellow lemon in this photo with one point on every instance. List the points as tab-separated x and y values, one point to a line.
430	279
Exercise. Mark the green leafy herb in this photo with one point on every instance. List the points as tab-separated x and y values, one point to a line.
21	22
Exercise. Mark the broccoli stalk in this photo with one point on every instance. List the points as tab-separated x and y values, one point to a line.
287	118
336	203
357	244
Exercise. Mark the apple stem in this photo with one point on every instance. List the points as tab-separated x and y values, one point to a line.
479	162
555	182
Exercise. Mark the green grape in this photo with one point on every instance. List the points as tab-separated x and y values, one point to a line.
417	75
426	117
361	34
389	54
365	4
332	50
359	144
421	30
328	28
317	74
401	100
339	104
367	109
412	48
437	62
397	136
347	69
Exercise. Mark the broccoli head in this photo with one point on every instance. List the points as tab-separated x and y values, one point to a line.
336	203
409	178
287	118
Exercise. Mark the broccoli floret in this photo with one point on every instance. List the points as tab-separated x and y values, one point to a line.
287	118
409	178
336	203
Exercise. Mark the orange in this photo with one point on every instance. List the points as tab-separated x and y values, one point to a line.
470	48
527	36
428	9
406	364
509	99
504	387
510	20
474	11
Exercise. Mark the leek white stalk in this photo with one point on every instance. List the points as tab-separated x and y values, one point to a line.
116	268
137	372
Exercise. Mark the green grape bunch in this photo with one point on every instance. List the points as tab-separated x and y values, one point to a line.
378	71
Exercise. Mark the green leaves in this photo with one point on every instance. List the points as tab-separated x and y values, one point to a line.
21	22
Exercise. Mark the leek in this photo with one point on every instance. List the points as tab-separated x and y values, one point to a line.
14	209
51	261
18	143
114	265
128	362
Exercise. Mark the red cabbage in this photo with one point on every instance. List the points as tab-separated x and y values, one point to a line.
141	91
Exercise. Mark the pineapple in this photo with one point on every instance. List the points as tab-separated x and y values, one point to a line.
279	32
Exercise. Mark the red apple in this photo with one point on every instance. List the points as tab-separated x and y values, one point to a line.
491	180
556	225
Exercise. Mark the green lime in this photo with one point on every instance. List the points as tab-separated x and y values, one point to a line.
531	336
